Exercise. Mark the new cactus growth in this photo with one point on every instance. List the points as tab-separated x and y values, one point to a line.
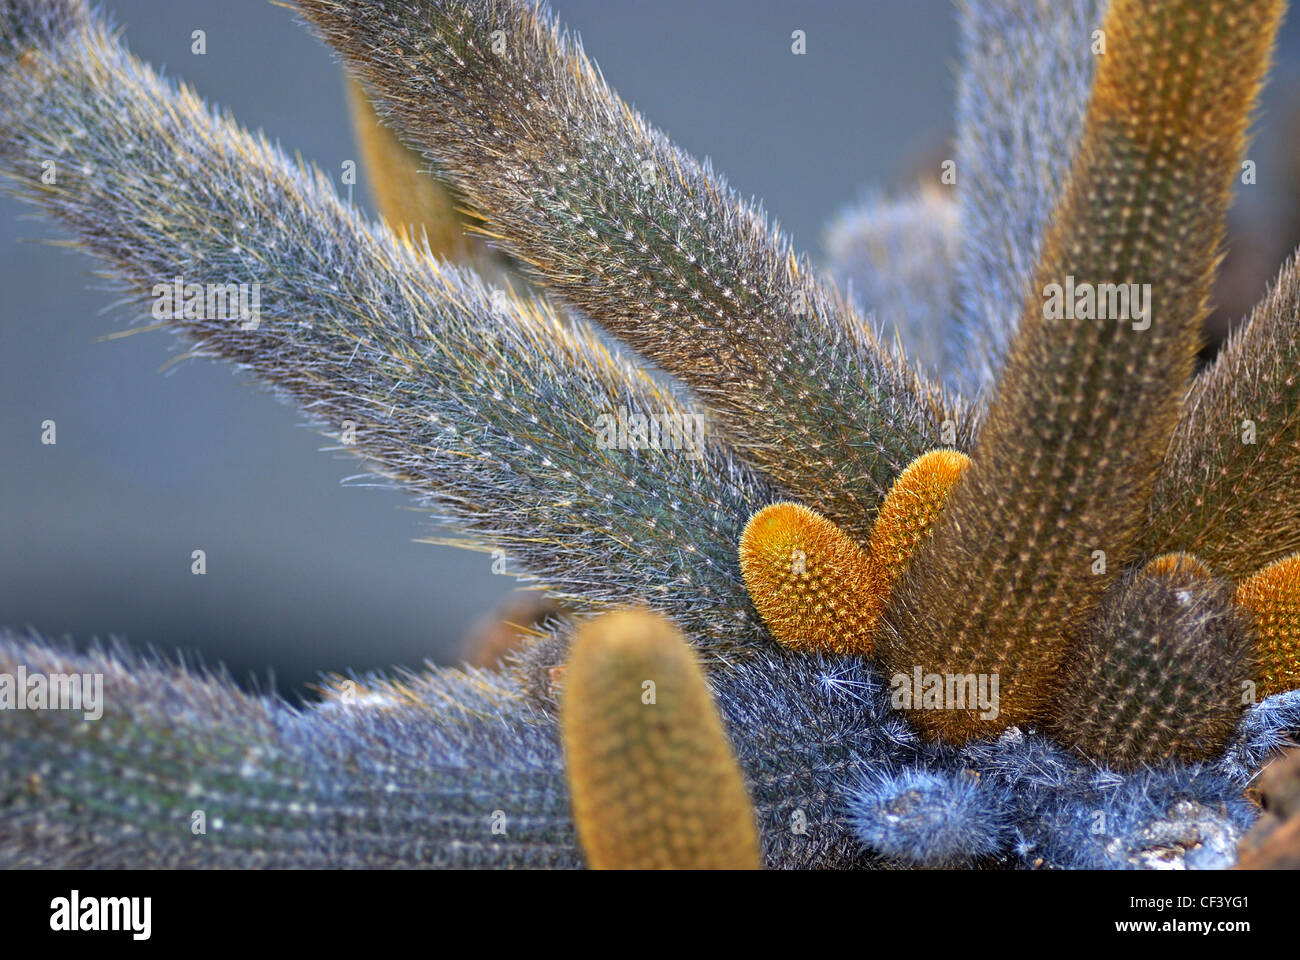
818	590
909	511
812	584
1272	598
1176	564
653	779
1166	675
884	623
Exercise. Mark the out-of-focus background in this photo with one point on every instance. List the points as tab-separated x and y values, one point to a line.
305	575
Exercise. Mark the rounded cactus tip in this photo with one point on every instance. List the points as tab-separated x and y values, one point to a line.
1176	565
815	587
1272	598
809	580
910	509
1159	675
654	782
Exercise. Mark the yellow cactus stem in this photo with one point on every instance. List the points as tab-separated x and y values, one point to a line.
655	784
1176	564
907	514
1272	596
809	580
406	195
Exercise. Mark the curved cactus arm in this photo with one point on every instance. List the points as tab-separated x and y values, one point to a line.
1230	487
183	770
447	767
646	241
1027	68
1073	440
521	430
897	258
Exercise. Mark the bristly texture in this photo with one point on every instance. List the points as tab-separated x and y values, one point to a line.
1161	675
933	819
1272	598
33	23
1027	68
417	776
413	773
183	770
407	196
1227	491
897	259
809	580
487	406
1068	453
646	241
906	517
653	779
1176	564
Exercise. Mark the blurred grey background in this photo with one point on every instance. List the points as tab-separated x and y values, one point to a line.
303	574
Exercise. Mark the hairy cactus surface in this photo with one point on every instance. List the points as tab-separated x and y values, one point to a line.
647	241
653	777
1076	430
802	603
1164	677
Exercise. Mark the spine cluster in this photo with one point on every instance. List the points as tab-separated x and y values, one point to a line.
1272	598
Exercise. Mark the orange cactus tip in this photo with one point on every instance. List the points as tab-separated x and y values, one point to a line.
1273	598
809	580
654	782
910	509
1176	564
